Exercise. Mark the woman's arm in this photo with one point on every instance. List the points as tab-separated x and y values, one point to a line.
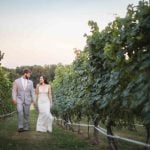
50	95
36	92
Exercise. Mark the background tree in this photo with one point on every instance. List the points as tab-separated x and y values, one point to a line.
37	71
6	105
1	56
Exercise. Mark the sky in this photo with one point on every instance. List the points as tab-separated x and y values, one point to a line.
39	32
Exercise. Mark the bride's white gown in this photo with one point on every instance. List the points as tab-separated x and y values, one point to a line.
45	118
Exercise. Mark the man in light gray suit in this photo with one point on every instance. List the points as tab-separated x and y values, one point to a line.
23	96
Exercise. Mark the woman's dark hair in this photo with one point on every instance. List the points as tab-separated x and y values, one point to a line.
45	79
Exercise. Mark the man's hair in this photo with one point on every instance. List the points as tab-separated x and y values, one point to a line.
26	71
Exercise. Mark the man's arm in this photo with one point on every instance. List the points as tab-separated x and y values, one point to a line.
14	93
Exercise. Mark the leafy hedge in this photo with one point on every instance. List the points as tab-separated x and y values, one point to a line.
5	93
109	81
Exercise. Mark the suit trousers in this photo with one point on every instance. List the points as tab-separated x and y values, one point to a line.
23	115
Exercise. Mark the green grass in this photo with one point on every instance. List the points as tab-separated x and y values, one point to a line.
59	139
139	135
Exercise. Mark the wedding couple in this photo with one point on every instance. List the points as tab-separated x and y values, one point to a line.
23	95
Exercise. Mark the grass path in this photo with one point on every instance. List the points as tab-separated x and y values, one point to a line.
59	139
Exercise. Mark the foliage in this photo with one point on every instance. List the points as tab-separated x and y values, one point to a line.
109	81
47	70
5	93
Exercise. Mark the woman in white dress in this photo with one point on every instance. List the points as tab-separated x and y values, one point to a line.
44	103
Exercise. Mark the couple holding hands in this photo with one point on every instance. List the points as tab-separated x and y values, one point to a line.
23	95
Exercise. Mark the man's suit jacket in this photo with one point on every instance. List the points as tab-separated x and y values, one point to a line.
22	95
